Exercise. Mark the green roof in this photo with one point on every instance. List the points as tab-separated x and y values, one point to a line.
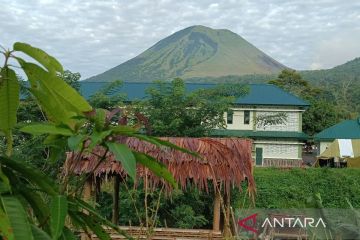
259	134
348	129
259	94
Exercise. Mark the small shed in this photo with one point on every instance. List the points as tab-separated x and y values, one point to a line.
226	162
348	129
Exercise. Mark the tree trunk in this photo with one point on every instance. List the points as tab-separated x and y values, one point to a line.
217	202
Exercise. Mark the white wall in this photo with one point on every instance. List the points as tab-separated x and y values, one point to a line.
279	150
238	120
293	122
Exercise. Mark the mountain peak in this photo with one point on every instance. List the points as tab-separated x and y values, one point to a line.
196	51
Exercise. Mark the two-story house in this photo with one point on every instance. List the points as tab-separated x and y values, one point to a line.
274	145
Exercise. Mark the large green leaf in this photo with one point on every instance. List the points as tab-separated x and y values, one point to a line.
59	210
77	204
95	227
37	205
49	62
58	98
156	167
42	128
68	234
75	142
5	227
39	234
17	217
54	112
122	129
125	156
54	107
96	137
32	174
4	183
9	98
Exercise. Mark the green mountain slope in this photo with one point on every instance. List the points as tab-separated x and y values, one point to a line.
194	52
349	71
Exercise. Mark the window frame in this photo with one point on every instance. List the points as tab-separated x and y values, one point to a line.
246	117
228	120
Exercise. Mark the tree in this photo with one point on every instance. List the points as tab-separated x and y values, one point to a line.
291	81
71	78
321	114
109	96
172	111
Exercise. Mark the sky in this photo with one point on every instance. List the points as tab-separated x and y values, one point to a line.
92	36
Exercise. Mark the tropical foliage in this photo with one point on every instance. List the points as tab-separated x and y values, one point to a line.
32	205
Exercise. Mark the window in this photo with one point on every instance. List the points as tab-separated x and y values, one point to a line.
246	117
229	119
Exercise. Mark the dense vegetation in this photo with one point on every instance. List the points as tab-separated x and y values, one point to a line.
342	83
291	188
276	188
188	209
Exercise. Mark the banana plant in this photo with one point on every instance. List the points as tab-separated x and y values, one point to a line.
33	206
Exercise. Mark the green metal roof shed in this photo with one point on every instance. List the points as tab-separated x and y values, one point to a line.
348	129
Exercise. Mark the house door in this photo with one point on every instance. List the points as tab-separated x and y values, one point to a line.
259	156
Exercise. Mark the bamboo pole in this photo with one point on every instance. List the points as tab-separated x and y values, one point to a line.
87	198
115	210
97	189
227	230
88	189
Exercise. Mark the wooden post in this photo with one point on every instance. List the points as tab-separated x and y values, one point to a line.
97	189
87	189
217	202
115	211
87	198
227	229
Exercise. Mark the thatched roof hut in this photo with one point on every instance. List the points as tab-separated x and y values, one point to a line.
224	161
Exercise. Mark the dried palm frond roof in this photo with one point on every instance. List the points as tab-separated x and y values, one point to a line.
226	161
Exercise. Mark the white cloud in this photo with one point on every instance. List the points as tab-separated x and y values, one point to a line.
337	49
91	36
